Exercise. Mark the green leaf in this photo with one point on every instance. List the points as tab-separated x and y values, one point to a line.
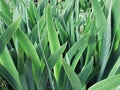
29	75
55	56
116	15
72	29
31	13
52	34
76	46
115	68
7	35
7	62
53	40
74	80
79	54
85	72
63	34
5	18
34	34
5	8
105	52
100	17
11	80
68	11
30	51
27	46
107	84
91	42
47	68
116	20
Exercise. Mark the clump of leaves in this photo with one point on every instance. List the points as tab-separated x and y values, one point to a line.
63	45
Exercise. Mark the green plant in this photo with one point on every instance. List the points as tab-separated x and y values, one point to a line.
64	45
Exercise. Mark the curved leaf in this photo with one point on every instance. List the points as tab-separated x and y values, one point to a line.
107	84
74	80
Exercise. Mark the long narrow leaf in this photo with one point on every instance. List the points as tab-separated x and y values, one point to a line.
106	44
107	84
74	80
9	78
53	39
7	35
7	62
115	68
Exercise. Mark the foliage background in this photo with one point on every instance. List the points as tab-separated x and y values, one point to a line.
59	45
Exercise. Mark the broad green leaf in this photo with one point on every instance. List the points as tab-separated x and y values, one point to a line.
115	68
107	84
74	80
11	80
53	40
7	35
